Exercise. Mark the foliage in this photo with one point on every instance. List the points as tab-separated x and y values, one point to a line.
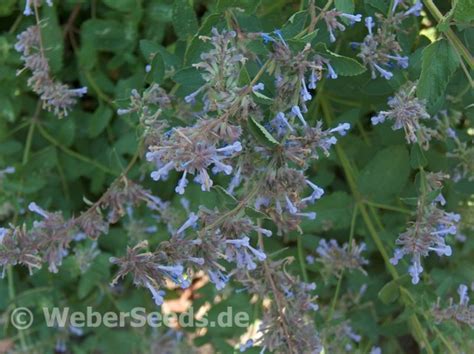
219	153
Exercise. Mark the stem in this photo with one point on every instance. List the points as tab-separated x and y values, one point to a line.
29	139
453	38
276	294
301	257
413	321
387	207
339	281
74	154
29	136
11	295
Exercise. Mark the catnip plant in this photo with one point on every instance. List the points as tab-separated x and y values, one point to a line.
306	163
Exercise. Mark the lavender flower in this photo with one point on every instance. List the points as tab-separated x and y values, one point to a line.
407	112
427	233
34	3
332	18
461	312
240	252
56	96
336	258
190	154
380	49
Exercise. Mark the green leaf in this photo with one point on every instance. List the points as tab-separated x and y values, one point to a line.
157	73
104	35
122	5
254	213
346	6
386	174
184	19
261	98
261	134
464	11
97	273
7	7
247	5
417	157
344	66
390	292
333	211
224	197
52	36
99	120
6	109
65	131
197	45
294	25
440	61
190	77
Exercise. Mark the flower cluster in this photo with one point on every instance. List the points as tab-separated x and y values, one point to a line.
56	96
407	112
287	325
335	258
332	18
295	73
221	67
461	312
428	232
49	240
380	50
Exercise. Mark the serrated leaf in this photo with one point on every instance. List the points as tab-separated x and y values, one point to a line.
184	19
346	6
294	25
247	5
104	35
386	174
440	61
225	197
417	157
261	134
157	72
254	213
464	11
122	5
197	45
7	112
52	36
7	7
390	292
261	98
99	120
343	66
332	211
190	77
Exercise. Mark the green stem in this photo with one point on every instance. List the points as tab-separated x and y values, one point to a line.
11	295
29	139
74	154
453	38
387	207
414	322
100	94
336	296
339	280
301	257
